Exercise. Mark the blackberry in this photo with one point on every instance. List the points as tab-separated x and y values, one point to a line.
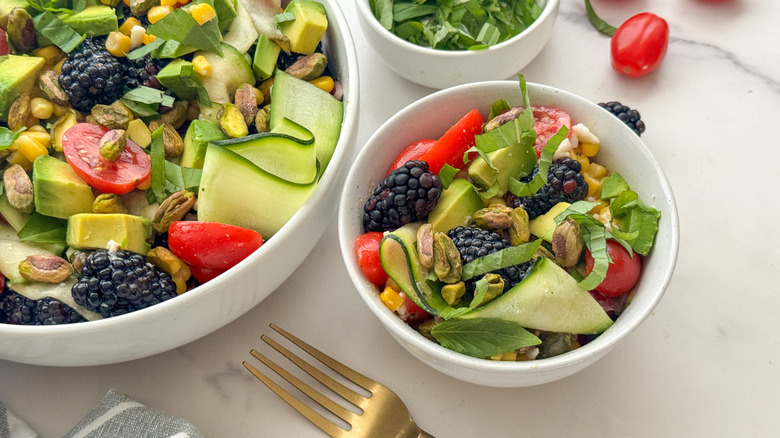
564	183
407	195
475	242
91	75
50	311
122	282
287	59
141	72
629	116
17	309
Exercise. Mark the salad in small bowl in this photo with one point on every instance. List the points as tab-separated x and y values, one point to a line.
508	234
165	166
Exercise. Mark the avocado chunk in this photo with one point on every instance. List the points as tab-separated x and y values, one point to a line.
92	20
198	136
266	55
310	23
179	76
457	204
514	161
14	217
543	226
547	299
57	189
18	75
96	230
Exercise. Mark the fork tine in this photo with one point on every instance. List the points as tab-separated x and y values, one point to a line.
336	366
323	423
313	394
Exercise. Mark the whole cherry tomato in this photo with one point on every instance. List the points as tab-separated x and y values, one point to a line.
81	146
622	274
412	152
639	45
367	250
449	149
211	245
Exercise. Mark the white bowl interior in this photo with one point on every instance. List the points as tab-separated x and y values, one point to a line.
210	306
621	150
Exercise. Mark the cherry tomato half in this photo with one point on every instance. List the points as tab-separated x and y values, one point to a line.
204	275
412	152
81	146
411	313
211	245
5	49
449	149
622	274
367	250
639	45
547	122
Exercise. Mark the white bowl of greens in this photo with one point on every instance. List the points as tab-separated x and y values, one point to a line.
413	42
621	150
211	303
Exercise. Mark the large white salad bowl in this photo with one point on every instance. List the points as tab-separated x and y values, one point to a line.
621	150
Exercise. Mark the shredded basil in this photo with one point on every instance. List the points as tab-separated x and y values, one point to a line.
514	255
157	159
482	337
42	229
8	137
597	22
55	30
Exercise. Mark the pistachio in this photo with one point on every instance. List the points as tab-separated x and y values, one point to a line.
177	114
519	230
19	112
114	116
168	262
567	242
77	260
446	258
210	112
45	268
282	40
232	121
452	292
425	327
246	102
494	217
425	245
172	141
69	119
308	67
18	188
21	30
112	144
172	209
193	110
502	118
49	85
495	287
141	7
262	120
109	203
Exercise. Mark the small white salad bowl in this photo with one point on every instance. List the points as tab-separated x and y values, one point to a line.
445	68
205	309
621	150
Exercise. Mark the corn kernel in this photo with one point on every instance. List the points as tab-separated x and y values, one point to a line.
30	148
51	54
202	65
58	66
157	13
597	170
509	357
148	38
203	13
128	25
18	158
118	44
582	159
589	149
594	186
391	298
41	108
60	110
168	2
36	128
42	138
184	2
323	83
258	96
599	205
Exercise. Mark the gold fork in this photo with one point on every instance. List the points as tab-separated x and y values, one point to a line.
383	413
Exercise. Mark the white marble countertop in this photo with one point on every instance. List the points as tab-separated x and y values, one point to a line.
704	364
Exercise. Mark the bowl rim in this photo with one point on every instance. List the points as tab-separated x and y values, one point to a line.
397	328
549	11
330	177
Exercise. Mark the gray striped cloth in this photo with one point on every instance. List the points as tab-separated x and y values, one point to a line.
117	416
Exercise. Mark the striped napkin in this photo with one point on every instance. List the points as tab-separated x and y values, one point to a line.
117	416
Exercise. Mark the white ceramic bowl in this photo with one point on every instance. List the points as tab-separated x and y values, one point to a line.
442	68
208	307
621	150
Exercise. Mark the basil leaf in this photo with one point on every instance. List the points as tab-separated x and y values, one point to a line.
181	178
42	229
597	22
594	234
613	186
632	216
145	49
519	188
157	158
383	11
579	207
284	17
514	255
8	137
482	337
498	108
55	30
447	174
149	96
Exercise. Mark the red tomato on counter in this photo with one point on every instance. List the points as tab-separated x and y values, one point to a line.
639	45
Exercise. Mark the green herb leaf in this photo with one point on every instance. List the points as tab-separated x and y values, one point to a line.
181	178
284	17
594	235
482	337
146	49
42	229
579	207
613	186
498	108
514	255
55	30
157	158
180	26
447	174
383	11
597	22
149	96
631	215
520	188
8	137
